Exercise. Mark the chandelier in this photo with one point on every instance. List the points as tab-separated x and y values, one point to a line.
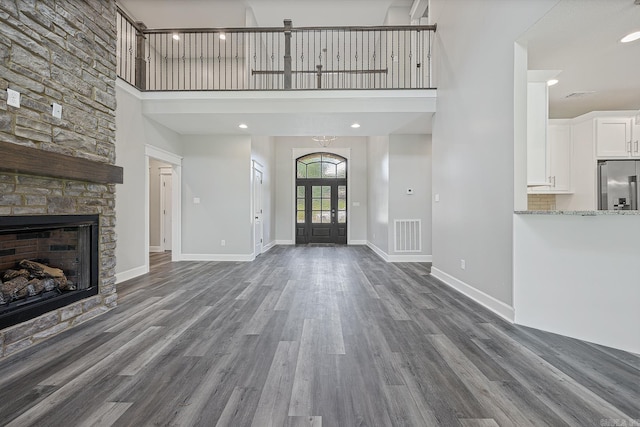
324	140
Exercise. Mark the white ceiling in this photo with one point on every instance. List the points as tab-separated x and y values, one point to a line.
581	38
268	13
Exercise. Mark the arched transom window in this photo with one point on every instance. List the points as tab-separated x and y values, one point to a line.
321	165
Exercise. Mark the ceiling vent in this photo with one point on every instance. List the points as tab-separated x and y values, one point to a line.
580	94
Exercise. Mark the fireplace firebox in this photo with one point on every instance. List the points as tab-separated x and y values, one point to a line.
46	262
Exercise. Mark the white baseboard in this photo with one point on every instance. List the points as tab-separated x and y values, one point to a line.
217	257
399	258
358	242
130	274
156	249
410	258
285	242
498	307
268	246
382	254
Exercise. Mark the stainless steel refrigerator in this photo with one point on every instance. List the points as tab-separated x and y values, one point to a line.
618	184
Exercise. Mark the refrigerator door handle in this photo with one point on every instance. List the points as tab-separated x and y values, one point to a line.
633	190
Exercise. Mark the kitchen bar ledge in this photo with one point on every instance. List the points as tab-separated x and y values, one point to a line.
577	213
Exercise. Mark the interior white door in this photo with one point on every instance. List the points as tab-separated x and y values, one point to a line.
257	211
166	190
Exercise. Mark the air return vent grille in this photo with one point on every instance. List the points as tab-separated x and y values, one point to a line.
407	233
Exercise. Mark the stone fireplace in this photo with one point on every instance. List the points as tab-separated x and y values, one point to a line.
57	52
46	262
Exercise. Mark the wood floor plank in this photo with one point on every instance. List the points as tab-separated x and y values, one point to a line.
487	422
276	393
79	381
235	413
303	380
150	354
107	415
303	422
305	336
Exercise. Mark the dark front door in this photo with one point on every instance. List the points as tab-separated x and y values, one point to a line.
321	203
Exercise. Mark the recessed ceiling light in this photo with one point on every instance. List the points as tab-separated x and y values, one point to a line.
176	37
223	36
355	125
631	37
242	126
552	82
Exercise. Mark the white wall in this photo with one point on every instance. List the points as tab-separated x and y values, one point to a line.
577	276
410	167
378	193
473	134
263	151
217	170
285	181
133	131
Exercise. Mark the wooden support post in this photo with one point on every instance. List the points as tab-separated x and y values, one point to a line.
319	74
141	63
287	53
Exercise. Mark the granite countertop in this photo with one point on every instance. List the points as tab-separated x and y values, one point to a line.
578	213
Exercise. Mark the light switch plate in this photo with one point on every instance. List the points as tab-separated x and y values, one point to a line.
13	98
196	200
56	111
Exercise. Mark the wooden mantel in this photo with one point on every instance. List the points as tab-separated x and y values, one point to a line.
31	161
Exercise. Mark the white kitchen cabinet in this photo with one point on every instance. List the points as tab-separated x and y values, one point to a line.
635	137
537	117
558	161
614	138
559	142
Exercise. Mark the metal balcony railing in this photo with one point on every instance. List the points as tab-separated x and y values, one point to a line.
397	57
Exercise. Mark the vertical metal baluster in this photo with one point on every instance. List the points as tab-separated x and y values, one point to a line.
399	75
430	78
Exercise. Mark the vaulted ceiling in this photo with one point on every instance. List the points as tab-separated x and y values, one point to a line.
582	39
268	13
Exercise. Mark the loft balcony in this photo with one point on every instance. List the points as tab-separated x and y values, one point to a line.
274	59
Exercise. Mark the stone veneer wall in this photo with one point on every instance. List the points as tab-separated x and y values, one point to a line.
61	51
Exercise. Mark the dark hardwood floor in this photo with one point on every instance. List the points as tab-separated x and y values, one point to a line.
311	336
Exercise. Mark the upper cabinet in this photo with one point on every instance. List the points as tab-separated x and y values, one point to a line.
559	138
558	161
537	118
617	137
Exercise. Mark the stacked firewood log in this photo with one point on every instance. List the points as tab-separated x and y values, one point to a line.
31	278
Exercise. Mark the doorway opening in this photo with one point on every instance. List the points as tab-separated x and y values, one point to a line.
160	206
321	199
258	226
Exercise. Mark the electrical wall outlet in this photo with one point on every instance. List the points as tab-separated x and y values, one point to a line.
13	98
463	264
56	110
